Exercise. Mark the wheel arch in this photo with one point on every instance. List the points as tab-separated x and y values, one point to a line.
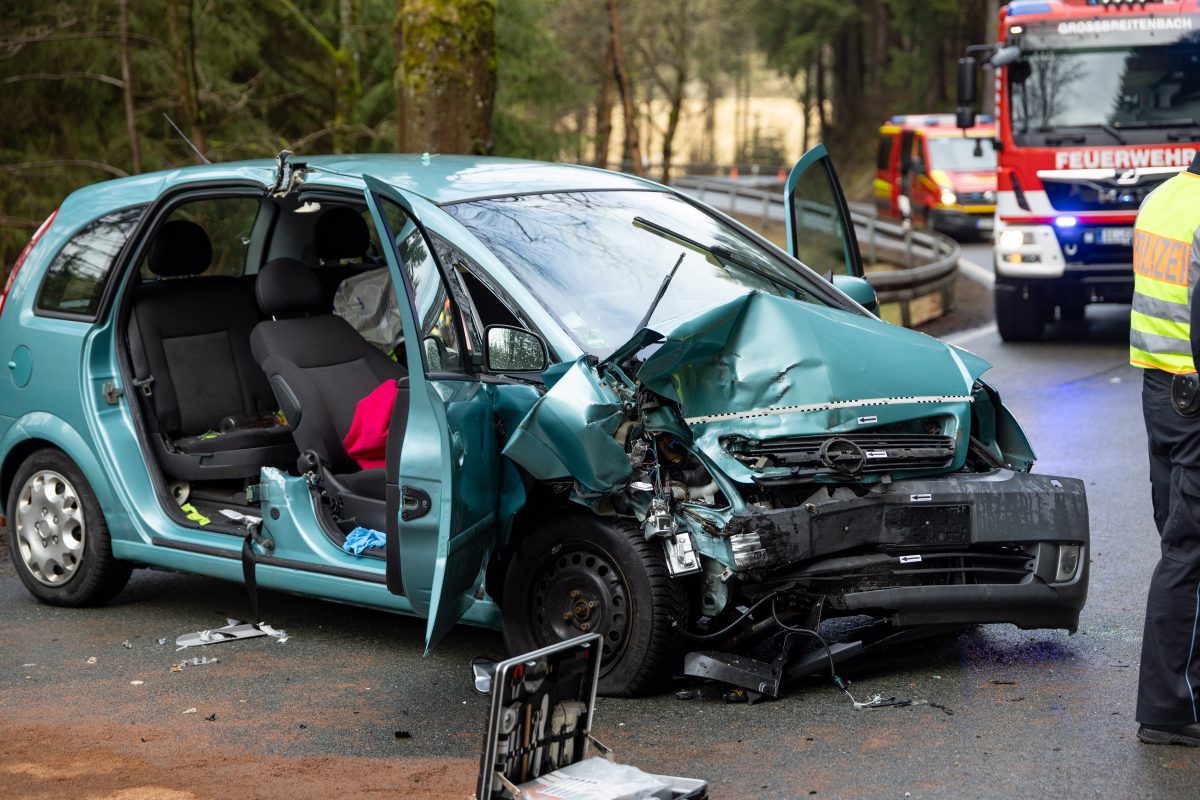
40	430
541	505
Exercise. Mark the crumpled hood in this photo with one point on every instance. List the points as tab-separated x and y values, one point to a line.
763	366
758	366
766	355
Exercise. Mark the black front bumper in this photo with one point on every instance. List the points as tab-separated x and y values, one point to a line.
954	549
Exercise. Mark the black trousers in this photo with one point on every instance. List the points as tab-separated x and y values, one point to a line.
1169	683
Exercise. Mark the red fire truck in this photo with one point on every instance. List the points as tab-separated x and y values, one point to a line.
1097	102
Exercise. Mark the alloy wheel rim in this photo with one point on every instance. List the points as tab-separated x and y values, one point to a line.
580	591
50	530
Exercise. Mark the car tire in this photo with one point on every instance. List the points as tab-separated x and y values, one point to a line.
1019	319
578	574
57	535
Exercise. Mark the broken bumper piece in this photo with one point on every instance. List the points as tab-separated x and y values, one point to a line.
956	549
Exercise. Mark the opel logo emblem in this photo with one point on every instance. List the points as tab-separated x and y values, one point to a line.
842	456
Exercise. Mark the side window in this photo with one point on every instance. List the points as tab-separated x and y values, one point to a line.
883	157
75	281
228	221
443	344
918	154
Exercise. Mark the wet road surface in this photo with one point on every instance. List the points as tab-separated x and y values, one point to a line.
1035	713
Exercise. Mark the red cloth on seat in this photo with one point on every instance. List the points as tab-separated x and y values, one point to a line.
366	442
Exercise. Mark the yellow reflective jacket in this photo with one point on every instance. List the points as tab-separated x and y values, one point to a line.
1166	267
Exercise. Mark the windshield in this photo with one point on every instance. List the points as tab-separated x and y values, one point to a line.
1126	88
957	154
590	266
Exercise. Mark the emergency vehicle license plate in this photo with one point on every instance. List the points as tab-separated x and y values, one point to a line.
1122	236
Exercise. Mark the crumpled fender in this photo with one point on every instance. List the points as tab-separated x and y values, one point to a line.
569	433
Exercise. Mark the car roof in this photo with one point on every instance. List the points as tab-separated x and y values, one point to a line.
441	179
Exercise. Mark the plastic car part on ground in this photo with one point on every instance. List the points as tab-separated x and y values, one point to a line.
232	631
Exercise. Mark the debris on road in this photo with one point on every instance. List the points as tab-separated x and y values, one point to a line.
91	660
211	717
399	734
191	710
162	641
193	662
232	631
127	645
136	683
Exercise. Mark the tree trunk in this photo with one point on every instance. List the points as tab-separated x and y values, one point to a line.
184	51
822	120
399	82
446	67
633	147
681	57
135	145
348	82
604	107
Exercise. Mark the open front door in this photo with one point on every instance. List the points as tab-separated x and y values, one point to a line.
442	461
820	232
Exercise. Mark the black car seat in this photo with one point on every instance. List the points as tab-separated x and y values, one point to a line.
319	367
342	242
210	411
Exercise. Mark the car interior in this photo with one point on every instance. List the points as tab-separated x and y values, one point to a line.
256	325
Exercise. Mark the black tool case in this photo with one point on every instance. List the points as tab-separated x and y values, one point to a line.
541	723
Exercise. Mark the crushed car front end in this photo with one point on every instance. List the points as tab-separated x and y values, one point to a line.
832	464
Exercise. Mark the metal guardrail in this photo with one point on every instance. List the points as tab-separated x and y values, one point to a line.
929	261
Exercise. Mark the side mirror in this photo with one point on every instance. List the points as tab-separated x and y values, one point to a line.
510	349
904	206
967	85
859	290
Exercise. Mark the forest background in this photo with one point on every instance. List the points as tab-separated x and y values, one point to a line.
654	87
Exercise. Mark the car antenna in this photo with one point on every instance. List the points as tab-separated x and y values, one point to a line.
196	150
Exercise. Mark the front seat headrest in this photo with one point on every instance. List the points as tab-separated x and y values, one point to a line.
287	287
180	248
341	233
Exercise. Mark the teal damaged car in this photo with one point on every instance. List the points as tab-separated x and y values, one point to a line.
538	397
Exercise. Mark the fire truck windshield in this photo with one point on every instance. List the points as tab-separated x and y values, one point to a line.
1104	95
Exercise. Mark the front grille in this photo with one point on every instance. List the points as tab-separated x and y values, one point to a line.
846	455
1099	195
976	198
974	567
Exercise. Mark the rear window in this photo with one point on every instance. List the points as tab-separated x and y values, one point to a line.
74	283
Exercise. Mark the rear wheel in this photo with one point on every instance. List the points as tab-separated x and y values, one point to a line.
1020	314
579	574
57	534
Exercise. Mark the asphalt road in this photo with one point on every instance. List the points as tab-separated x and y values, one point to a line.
1035	714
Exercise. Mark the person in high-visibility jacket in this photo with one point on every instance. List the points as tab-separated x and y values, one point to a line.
1164	338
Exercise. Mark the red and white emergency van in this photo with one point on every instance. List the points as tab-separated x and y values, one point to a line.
950	181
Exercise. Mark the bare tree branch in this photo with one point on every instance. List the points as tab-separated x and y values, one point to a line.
65	76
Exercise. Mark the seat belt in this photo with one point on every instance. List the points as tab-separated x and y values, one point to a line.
249	560
142	378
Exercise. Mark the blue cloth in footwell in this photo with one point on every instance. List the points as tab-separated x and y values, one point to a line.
361	538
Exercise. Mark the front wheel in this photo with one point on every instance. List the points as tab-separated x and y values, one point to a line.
579	574
57	535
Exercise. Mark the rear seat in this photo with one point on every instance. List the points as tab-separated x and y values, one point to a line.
209	407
